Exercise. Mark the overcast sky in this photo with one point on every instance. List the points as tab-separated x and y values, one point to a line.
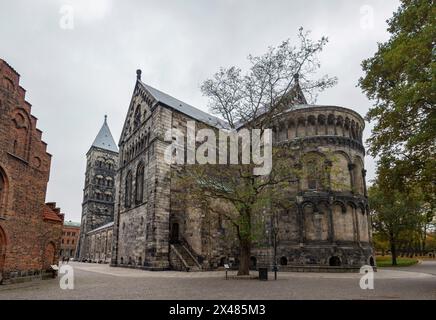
74	77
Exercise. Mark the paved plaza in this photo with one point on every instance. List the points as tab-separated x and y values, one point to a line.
100	281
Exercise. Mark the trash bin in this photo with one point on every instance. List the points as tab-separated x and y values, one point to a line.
263	274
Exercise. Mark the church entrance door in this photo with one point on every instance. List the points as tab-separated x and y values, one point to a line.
174	233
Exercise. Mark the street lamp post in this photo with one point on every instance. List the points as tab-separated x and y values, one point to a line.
274	234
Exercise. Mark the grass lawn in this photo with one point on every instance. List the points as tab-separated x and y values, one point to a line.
386	261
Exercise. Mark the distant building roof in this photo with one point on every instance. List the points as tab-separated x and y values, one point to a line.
71	224
52	215
104	139
185	108
110	224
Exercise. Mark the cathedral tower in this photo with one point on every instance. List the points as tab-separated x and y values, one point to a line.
99	189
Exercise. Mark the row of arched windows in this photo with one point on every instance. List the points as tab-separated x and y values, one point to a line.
138	145
102	181
138	195
311	125
106	196
136	121
108	164
137	118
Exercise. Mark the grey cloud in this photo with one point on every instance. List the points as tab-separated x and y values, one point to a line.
74	77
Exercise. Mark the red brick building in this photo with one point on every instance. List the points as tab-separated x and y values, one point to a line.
30	230
70	238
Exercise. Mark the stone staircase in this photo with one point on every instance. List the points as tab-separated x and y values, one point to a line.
183	259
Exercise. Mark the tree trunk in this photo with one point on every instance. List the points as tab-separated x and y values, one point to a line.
244	257
409	250
393	252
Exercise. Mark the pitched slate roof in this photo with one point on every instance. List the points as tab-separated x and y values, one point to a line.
184	108
104	139
71	224
296	94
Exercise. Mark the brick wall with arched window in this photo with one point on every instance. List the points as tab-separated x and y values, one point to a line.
3	192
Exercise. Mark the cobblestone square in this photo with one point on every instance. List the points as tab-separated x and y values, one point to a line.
99	281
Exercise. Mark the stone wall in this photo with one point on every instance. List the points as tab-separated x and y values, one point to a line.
99	242
98	195
137	232
328	223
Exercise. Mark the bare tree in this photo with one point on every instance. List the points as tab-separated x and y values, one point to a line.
273	84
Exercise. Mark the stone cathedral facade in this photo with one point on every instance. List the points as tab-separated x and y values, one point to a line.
98	198
328	225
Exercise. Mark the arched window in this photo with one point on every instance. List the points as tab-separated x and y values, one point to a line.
139	194
311	125
108	197
314	173
98	195
283	261
335	261
2	193
109	182
98	180
340	178
128	190
21	134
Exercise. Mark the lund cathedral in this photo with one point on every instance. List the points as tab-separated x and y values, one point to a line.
131	217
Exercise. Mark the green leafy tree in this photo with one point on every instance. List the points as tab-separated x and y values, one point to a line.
393	215
400	79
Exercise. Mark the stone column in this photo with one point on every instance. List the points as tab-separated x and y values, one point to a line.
351	167
332	237
356	225
368	217
300	219
116	228
365	191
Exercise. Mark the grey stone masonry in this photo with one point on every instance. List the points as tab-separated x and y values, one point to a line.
98	192
327	225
